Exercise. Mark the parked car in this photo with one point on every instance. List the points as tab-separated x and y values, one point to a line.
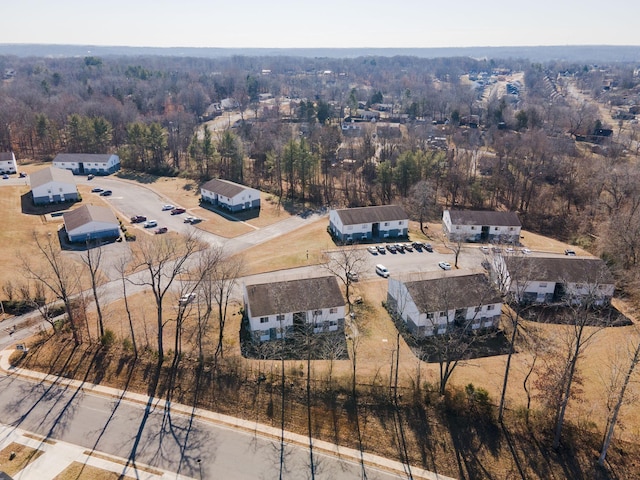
106	193
417	246
5	177
381	249
509	250
372	250
526	251
91	176
96	190
138	219
382	270
150	224
391	247
408	247
161	230
496	249
353	276
168	207
445	265
187	298
428	247
484	249
177	211
22	174
399	247
570	252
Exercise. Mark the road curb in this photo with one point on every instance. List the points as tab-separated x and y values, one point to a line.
343	453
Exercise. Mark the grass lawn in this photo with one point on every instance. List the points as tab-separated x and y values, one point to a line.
80	471
23	456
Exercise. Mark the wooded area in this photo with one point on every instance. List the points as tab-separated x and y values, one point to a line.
557	143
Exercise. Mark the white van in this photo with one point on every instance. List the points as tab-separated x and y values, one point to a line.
382	270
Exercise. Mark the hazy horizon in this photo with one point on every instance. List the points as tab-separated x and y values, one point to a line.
284	24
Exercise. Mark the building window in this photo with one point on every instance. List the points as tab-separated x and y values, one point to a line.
457	227
543	284
443	314
333	323
333	310
477	309
473	228
386	224
280	318
490	307
317	313
430	316
400	222
579	285
496	228
264	319
511	229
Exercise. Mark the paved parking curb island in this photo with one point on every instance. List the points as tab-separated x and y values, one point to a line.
345	453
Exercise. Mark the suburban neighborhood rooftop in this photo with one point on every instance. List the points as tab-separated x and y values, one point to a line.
294	296
482	217
88	213
560	269
382	213
225	188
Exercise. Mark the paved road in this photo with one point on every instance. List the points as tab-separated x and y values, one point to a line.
156	435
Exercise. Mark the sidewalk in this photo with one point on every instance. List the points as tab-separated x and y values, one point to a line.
345	453
57	456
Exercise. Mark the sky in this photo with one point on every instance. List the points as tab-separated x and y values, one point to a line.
321	24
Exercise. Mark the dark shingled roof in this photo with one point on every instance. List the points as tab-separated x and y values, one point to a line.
224	187
482	217
452	291
83	157
4	156
294	296
560	269
88	213
382	213
51	174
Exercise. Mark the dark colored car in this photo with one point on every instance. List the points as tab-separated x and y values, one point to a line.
391	247
428	247
138	219
106	193
96	190
417	246
161	230
177	211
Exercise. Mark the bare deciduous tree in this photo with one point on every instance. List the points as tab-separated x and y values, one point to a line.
59	274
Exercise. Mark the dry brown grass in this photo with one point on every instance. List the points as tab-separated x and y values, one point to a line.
290	251
80	471
23	456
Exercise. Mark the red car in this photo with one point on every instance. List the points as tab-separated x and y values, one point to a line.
161	230
138	219
177	211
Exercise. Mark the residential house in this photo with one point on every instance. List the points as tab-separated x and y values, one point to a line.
91	222
481	226
368	223
53	185
278	309
8	163
546	280
85	163
229	195
440	302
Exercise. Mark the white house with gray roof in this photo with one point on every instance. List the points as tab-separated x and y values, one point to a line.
481	226
85	163
91	222
368	223
229	195
53	185
439	302
563	280
8	162
277	309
